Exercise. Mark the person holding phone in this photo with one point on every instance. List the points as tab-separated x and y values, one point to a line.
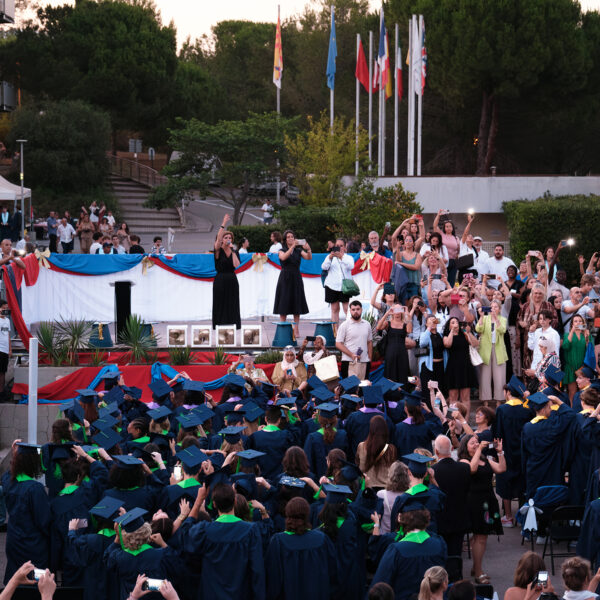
450	241
398	325
574	344
309	358
290	373
338	265
226	290
289	295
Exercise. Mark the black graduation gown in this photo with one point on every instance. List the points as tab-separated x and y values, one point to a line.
301	566
28	528
86	550
405	562
543	449
433	500
171	495
579	465
316	450
140	497
274	444
408	436
357	428
510	420
232	558
588	544
54	481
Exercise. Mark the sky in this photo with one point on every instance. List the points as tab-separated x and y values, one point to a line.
194	18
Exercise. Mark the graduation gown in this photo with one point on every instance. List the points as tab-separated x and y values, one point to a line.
316	450
433	500
232	557
405	562
28	528
274	442
543	448
301	567
588	544
510	420
582	435
408	436
357	428
171	495
140	497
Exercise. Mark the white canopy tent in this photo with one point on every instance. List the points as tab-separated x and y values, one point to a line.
11	191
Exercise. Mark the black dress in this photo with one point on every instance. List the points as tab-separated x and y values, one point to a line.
396	356
483	505
460	372
289	296
226	292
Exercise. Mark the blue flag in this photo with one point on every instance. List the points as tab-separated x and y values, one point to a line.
332	54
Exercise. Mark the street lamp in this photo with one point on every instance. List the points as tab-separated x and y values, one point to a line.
21	142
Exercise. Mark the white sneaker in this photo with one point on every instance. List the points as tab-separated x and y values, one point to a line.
506	522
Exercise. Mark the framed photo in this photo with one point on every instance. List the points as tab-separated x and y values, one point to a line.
251	335
200	335
225	335
176	335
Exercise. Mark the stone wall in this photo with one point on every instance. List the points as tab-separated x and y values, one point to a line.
13	423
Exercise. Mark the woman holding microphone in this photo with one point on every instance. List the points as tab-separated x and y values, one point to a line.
226	290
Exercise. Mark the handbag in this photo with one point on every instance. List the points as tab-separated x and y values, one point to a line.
349	286
326	368
475	357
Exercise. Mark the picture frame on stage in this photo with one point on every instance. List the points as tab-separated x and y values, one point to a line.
176	336
251	335
225	335
201	335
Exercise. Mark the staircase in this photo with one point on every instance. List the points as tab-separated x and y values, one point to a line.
145	222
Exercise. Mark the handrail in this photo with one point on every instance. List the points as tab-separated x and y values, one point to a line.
136	171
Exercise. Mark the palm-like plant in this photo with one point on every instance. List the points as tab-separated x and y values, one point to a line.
137	341
180	355
97	357
75	335
220	356
52	343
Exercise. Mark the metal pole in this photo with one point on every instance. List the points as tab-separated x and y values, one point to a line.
396	102
277	196
32	402
370	98
420	93
21	142
383	131
357	105
410	99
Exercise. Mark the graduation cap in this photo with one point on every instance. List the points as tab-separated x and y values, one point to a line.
217	460
349	383
90	449
328	409
111	409
87	396
349	471
410	503
268	388
245	484
107	508
516	387
58	451
252	412
74	412
191	457
336	493
192	386
538	400
105	422
588	371
417	463
285	401
190	420
232	433
135	392
159	415
160	388
131	521
110	374
314	382
229	407
291	482
115	395
250	457
413	399
387	385
107	439
235	381
372	395
553	375
25	448
322	394
124	461
203	412
177	386
234	417
350	399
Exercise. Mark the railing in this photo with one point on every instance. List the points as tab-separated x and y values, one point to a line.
136	171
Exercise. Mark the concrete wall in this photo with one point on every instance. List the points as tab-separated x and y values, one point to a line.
13	423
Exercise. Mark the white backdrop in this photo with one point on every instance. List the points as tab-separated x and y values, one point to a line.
160	295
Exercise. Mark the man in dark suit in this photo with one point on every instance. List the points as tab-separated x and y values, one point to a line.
17	221
454	479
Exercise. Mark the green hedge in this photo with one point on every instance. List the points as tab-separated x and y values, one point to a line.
534	225
258	235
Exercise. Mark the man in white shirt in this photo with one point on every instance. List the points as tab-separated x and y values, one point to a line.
117	246
576	305
339	266
96	246
110	218
481	256
355	341
267	209
5	349
497	264
536	331
66	235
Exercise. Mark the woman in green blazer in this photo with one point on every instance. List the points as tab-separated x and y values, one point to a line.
492	349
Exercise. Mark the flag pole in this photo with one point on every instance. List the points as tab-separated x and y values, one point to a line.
357	105
420	110
410	98
278	193
331	91
370	98
383	131
396	103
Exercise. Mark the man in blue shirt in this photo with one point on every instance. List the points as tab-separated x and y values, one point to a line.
52	224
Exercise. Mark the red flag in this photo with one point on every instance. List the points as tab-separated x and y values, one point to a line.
399	67
375	83
362	70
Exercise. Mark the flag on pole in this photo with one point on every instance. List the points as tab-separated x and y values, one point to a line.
416	59
331	56
399	74
383	61
388	84
278	59
375	82
423	57
362	70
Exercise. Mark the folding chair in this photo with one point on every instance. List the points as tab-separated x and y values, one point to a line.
546	499
565	526
484	590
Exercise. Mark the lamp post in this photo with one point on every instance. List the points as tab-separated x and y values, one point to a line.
21	142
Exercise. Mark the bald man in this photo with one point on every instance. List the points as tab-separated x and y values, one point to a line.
453	478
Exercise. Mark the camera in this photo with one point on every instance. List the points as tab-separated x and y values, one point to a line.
335	249
421	303
462	324
436	276
310	338
486	310
152	584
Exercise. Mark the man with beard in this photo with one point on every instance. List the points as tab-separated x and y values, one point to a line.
355	341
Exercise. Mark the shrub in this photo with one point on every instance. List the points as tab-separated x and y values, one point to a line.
259	236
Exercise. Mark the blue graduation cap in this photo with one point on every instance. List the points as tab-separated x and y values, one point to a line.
516	387
252	412
191	457
160	388
314	382
90	449
124	461
245	484
372	395
336	493
291	482
111	409
190	420
107	508
413	399
87	396
131	521
553	375
107	439
204	413
232	433
25	448
410	503
349	384
160	414
322	394
235	381
538	400
349	471
285	401
111	375
193	386
350	399
135	392
177	386
387	385
250	457
328	409
59	451
417	463
115	395
74	412
105	422
268	388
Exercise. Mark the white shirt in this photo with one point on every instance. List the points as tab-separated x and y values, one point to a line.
242	251
338	269
21	244
95	246
65	232
586	311
532	343
275	248
493	266
4	335
111	220
267	210
480	262
354	335
443	252
119	249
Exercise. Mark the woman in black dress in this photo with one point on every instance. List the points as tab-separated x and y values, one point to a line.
226	291
289	296
460	372
481	499
395	321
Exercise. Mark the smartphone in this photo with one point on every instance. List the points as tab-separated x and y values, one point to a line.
37	573
468	276
388	224
398	309
300	242
492	276
412	380
486	310
437	402
310	338
420	217
432	385
359	352
152	584
177	472
83	523
563	243
445	211
289	372
454	298
436	276
542	578
491	445
581	327
532	253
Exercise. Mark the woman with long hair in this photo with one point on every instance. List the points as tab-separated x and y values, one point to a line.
434	584
295	464
397	324
450	241
226	290
375	455
297	552
528	567
85	229
574	345
123	235
410	260
398	482
61	434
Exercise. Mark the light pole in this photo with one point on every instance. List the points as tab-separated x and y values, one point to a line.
21	142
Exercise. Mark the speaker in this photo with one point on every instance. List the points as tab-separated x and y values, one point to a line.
122	304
